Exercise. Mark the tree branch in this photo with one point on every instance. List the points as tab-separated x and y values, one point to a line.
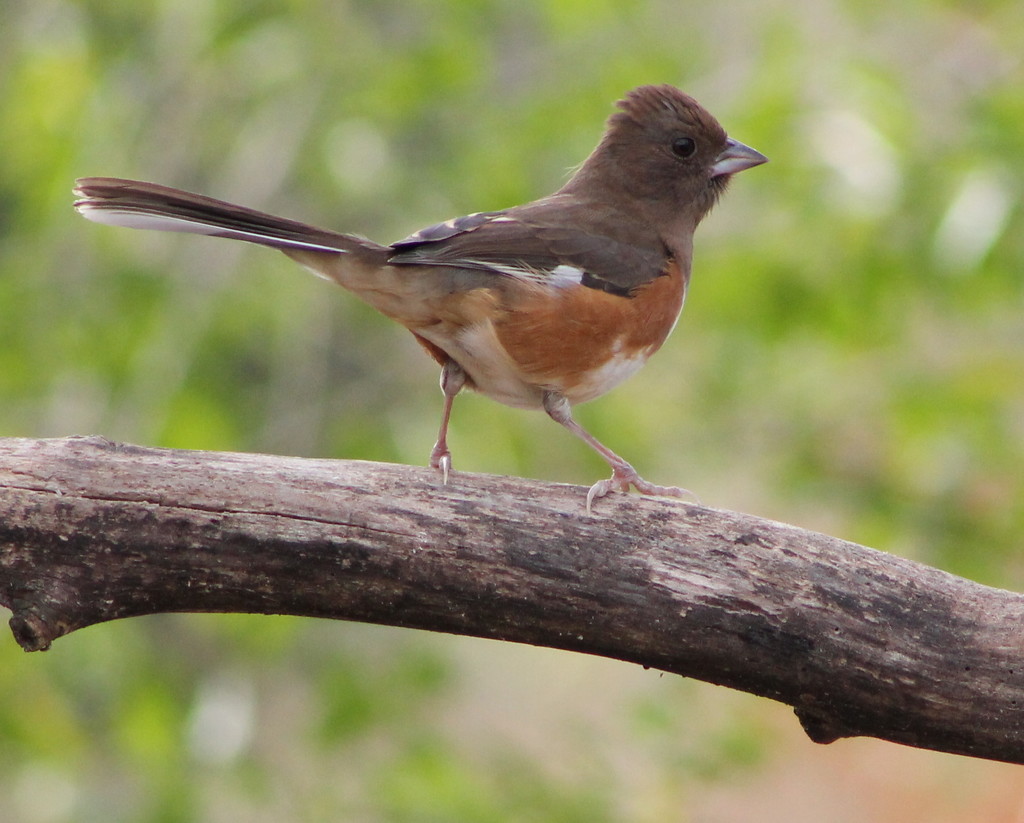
857	641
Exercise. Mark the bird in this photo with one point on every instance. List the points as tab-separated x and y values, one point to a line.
540	306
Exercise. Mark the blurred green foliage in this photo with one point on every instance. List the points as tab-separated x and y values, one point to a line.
851	357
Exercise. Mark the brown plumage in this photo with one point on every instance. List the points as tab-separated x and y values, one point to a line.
542	305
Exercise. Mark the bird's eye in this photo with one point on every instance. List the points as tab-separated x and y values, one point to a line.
683	147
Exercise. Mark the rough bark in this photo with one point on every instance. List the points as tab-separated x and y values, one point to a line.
859	642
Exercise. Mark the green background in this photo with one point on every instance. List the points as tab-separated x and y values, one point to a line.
851	359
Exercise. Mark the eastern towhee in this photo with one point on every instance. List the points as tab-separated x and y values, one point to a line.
543	305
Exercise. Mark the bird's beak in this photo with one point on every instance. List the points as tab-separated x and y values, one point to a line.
736	157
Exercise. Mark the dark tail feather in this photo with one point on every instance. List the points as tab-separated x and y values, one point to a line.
139	205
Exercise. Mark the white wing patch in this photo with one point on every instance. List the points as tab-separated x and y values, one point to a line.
565	275
561	276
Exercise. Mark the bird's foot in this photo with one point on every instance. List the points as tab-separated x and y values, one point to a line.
441	460
624	476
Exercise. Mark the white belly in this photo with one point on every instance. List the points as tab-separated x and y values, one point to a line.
496	375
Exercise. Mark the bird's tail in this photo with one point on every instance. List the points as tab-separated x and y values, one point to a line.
140	205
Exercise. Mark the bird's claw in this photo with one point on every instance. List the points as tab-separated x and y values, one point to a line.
624	476
441	460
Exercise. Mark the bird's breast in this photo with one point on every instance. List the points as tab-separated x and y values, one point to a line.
584	342
521	339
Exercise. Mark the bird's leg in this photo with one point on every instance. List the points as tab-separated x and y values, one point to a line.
623	474
453	378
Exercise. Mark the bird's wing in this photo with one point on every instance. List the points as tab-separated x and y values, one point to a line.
549	245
